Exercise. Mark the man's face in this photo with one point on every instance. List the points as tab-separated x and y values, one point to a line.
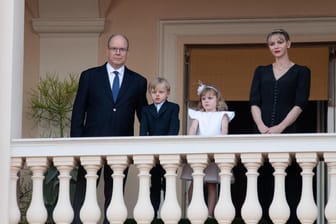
117	52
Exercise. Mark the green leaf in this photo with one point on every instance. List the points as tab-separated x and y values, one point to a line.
51	174
51	103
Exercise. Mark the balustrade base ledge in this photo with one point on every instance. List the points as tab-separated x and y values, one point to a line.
186	221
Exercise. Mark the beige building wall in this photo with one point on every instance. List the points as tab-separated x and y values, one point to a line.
139	20
31	70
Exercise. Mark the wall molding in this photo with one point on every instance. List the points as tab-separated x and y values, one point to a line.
89	26
175	34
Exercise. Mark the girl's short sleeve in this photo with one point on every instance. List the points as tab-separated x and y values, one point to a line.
193	114
230	114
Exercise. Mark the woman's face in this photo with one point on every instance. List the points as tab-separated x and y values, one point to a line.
278	45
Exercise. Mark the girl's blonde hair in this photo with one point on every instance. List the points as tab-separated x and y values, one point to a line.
203	90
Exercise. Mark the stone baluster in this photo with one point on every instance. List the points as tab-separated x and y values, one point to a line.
330	214
14	211
307	209
117	210
90	211
143	210
197	211
63	212
170	210
251	210
37	212
279	211
224	210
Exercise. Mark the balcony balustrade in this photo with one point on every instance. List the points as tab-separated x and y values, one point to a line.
171	152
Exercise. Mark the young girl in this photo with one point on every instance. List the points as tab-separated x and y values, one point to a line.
211	118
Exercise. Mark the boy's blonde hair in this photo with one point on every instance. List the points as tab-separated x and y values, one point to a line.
158	81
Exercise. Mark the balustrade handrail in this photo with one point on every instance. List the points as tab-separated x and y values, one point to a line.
321	142
306	149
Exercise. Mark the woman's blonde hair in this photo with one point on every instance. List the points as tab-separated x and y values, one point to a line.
281	32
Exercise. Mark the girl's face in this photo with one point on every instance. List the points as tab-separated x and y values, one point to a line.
278	45
209	101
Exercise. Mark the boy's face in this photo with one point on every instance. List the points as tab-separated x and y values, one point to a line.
159	94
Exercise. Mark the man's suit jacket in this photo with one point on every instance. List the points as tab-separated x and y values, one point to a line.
166	122
96	114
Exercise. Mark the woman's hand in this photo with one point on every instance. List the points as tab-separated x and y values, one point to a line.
263	129
277	129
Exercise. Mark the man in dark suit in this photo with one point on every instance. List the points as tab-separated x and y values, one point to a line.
107	100
159	118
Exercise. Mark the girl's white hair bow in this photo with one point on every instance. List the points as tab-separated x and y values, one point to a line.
201	87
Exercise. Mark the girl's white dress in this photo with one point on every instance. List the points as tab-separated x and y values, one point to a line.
209	124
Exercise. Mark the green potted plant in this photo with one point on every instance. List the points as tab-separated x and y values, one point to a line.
50	107
51	103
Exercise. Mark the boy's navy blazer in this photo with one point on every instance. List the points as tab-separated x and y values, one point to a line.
96	114
164	122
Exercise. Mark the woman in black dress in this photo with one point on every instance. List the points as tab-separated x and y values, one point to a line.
280	90
278	95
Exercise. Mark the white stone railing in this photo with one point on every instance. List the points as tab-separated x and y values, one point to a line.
251	150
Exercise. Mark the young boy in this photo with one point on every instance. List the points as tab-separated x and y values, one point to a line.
159	118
